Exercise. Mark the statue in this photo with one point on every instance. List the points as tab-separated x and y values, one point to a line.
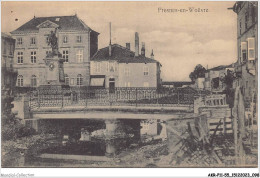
53	42
54	62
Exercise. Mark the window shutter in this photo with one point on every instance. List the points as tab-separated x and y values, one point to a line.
251	48
243	51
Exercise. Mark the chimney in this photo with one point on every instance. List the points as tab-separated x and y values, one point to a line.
152	55
136	44
110	47
127	45
143	49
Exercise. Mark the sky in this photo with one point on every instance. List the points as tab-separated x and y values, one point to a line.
180	40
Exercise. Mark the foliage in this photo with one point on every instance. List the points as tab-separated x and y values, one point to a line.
227	80
12	128
199	72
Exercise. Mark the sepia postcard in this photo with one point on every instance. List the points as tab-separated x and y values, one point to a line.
130	84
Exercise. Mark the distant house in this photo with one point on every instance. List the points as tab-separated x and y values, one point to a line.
213	77
176	84
77	42
199	83
118	66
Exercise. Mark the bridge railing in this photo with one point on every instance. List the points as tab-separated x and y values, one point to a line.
72	97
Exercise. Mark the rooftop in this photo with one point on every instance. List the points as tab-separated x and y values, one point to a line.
221	67
120	54
5	35
63	23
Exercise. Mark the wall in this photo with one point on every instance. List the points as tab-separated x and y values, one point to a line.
136	76
247	70
148	127
105	67
251	30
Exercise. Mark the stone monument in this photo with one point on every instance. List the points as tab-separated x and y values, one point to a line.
54	63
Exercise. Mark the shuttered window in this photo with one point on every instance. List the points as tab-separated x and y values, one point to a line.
251	48
243	51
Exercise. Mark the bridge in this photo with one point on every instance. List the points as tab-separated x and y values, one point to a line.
103	104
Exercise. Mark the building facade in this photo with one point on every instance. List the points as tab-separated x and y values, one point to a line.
118	66
213	78
76	42
7	60
247	45
8	76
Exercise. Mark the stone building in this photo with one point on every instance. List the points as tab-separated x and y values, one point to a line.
213	78
8	76
7	71
76	42
247	45
118	66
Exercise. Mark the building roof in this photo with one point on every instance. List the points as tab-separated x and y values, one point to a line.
63	22
177	83
120	54
5	35
221	67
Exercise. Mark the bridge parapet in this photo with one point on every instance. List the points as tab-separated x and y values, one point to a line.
84	97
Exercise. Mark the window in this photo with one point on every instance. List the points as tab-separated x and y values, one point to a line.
127	71
79	55
112	67
97	67
127	84
65	39
246	20
33	81
33	57
107	66
78	39
19	41
240	27
251	48
243	51
72	81
145	126
20	81
79	80
65	55
33	41
254	16
20	57
67	79
48	52
47	39
11	49
146	70
146	84
4	48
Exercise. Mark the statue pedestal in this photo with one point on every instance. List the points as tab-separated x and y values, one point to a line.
54	70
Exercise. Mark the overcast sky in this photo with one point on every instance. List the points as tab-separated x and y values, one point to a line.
180	40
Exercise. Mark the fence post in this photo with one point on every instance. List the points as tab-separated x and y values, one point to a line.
178	94
86	96
38	99
61	98
135	97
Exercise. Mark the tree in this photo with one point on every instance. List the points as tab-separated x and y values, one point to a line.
199	72
227	80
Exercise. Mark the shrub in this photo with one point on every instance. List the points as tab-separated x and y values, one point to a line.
25	131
